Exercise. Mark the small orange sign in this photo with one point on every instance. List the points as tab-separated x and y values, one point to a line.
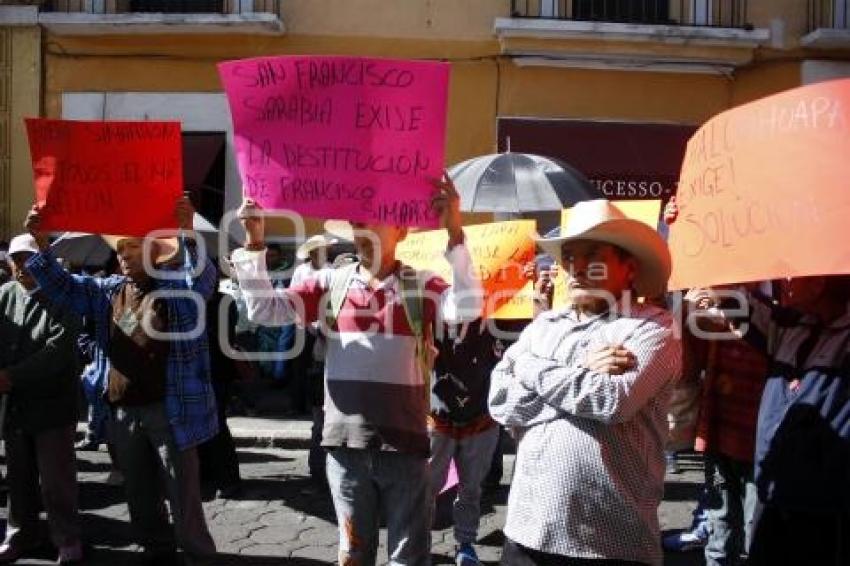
499	251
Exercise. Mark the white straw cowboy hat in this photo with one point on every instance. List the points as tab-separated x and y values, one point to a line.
342	229
313	243
166	248
600	220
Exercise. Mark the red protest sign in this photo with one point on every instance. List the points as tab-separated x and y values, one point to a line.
763	191
120	178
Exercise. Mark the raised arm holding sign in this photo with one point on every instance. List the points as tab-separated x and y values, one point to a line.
106	177
340	137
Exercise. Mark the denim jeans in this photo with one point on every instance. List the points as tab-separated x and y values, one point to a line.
473	456
731	503
367	483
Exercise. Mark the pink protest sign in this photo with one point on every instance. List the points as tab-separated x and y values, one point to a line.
340	137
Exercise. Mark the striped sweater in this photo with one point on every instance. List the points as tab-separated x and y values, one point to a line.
375	396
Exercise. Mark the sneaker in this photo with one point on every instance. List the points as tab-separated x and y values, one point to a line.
686	541
465	555
72	554
701	530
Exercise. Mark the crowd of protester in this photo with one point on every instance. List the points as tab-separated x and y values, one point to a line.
407	385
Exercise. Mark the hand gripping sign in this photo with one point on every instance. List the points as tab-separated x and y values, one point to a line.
340	137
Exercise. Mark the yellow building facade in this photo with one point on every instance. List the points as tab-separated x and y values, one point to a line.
550	66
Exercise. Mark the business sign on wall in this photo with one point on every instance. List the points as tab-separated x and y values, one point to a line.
623	160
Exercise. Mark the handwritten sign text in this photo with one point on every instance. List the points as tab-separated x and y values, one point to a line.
106	177
340	137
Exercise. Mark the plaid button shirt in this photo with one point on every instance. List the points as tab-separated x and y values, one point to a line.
189	399
589	473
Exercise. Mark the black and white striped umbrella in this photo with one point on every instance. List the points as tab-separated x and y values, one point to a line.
519	182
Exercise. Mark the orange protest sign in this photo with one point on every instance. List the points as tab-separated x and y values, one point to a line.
517	307
120	178
499	251
763	191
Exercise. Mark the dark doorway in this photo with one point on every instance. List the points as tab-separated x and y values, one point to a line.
203	172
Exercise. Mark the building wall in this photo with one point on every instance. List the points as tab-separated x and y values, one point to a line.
484	83
611	95
20	97
430	19
787	18
764	79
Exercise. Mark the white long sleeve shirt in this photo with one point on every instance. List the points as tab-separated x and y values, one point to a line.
375	393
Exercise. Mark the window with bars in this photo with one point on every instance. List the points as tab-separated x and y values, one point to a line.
162	6
715	13
177	6
622	11
829	14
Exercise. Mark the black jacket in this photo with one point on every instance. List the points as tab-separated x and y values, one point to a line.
38	349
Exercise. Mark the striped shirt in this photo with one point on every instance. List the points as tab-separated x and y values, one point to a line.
589	474
375	396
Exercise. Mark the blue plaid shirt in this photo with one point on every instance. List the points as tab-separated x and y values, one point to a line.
189	399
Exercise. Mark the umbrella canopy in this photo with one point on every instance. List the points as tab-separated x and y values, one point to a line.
519	182
82	248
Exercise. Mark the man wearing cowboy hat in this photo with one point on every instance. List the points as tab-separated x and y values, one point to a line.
157	386
314	257
586	389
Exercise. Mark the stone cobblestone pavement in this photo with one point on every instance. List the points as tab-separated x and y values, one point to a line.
277	521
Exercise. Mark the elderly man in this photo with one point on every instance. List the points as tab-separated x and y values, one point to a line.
585	390
38	373
158	380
